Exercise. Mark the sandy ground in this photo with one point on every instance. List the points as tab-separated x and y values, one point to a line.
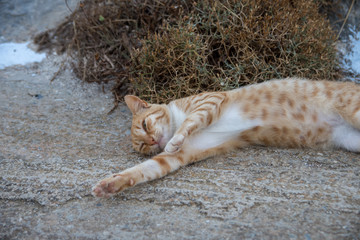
56	141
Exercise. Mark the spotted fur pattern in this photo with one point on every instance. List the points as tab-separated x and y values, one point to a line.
282	113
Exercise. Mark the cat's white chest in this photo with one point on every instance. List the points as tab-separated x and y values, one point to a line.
230	125
232	120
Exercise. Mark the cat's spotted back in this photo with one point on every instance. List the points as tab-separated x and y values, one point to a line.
284	113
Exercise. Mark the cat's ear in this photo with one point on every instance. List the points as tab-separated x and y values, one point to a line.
135	104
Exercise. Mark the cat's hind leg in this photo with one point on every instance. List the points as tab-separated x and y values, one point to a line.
347	104
356	119
347	137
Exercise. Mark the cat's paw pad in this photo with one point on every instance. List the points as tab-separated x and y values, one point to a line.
174	144
112	185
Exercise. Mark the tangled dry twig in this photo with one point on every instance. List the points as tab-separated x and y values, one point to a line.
163	50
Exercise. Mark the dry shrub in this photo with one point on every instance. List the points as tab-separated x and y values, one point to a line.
172	65
162	50
100	35
226	44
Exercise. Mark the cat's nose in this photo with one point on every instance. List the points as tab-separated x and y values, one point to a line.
152	141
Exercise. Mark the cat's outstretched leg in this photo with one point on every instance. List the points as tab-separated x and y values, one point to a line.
154	168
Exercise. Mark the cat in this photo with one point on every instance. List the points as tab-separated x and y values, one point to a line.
290	112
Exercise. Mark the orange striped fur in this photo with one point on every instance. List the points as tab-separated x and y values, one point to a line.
282	113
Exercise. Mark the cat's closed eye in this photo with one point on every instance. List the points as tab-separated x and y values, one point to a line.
144	125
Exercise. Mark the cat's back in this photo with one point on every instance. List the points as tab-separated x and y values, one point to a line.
295	99
299	87
290	92
299	102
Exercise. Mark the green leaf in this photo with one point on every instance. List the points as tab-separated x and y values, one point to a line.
101	18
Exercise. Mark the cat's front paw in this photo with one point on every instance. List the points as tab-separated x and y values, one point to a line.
112	185
175	143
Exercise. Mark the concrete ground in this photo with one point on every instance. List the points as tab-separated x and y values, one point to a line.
57	141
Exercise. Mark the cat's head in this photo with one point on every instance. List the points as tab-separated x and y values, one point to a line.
151	127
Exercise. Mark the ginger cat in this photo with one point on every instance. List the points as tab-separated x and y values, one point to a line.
291	112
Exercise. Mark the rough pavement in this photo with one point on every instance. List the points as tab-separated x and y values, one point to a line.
56	141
